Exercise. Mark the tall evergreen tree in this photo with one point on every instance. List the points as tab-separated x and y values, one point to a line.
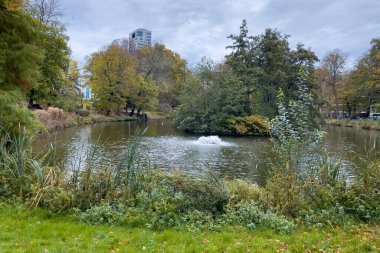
264	64
241	62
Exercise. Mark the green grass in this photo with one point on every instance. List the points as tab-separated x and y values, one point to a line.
23	230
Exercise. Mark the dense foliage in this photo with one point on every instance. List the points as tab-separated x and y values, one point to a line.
296	136
167	71
140	79
245	85
364	80
19	72
210	100
34	63
264	64
348	93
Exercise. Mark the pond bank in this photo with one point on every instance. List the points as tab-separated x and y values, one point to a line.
360	123
54	119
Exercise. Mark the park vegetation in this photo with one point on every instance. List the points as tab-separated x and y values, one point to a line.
349	94
306	187
262	88
237	96
123	77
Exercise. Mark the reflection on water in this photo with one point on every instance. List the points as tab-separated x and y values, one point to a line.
169	148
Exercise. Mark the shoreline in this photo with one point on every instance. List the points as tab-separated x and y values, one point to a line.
56	119
366	124
77	120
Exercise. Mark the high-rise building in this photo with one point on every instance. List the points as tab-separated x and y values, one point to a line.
141	37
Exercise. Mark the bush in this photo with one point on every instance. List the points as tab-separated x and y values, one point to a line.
250	215
283	193
57	199
248	125
101	214
242	190
82	112
317	218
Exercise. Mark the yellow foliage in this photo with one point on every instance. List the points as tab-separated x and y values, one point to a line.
240	129
249	125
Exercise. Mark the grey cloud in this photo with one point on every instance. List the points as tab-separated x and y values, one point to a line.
200	27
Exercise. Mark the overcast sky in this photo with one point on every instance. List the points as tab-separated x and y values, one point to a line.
196	28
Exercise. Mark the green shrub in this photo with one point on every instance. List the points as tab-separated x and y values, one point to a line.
363	197
332	216
101	214
135	217
57	199
196	220
250	215
283	193
242	190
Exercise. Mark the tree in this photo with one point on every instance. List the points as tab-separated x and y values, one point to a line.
241	62
46	11
111	73
73	74
115	82
20	56
365	78
334	62
264	64
12	5
295	136
54	67
166	70
209	97
142	94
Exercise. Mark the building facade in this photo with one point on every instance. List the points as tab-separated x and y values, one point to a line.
85	88
141	37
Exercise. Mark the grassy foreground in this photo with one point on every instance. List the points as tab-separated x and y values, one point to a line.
38	230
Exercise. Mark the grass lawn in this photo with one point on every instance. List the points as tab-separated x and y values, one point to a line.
37	230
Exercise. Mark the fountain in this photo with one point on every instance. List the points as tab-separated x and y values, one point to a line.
211	140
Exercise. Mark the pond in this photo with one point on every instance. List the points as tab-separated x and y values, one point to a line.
168	148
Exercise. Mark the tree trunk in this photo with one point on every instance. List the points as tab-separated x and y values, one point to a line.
132	111
336	102
349	109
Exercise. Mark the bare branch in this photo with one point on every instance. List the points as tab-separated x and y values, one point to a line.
46	11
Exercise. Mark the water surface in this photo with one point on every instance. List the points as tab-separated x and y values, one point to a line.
171	149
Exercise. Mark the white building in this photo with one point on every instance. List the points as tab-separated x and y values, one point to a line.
85	88
141	37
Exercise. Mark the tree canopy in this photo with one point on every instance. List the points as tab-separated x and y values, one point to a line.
116	82
208	98
264	64
20	56
166	69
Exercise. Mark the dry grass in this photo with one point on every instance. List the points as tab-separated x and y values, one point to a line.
360	123
54	118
